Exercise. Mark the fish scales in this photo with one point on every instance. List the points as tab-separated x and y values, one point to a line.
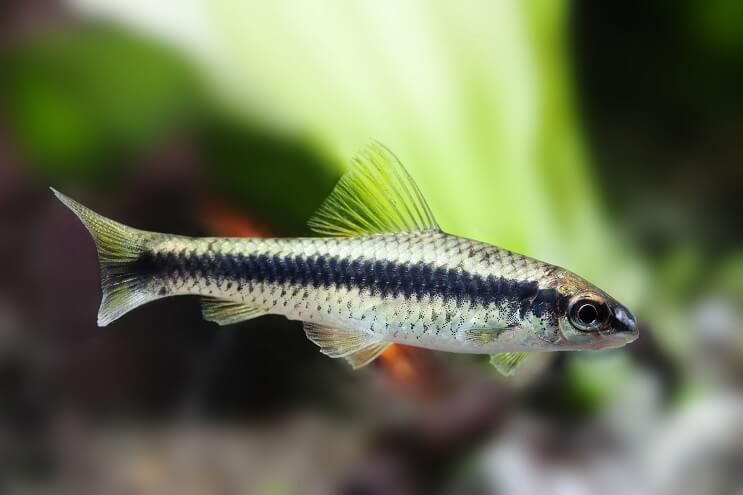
406	286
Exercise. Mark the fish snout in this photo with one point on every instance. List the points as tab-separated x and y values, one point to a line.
624	325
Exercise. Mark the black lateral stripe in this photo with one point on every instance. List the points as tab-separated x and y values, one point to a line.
380	277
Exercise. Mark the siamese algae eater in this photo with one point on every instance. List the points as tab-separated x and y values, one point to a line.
383	273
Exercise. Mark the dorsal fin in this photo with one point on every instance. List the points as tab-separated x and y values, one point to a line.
376	196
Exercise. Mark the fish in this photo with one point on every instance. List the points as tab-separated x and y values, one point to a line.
381	272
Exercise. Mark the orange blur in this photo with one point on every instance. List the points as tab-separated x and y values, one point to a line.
224	220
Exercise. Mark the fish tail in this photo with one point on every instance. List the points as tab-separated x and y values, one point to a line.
120	248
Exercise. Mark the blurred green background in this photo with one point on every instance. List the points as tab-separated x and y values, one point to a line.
602	137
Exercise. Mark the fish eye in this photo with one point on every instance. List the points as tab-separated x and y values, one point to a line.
588	313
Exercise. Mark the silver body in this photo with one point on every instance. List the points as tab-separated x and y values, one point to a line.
433	321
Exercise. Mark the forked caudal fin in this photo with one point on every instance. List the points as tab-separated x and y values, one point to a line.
118	248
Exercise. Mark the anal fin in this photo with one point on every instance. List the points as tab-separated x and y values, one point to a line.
226	312
357	348
364	356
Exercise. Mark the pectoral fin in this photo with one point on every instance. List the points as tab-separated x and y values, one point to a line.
482	336
507	362
357	348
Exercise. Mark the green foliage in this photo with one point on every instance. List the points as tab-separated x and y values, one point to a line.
86	98
280	180
717	25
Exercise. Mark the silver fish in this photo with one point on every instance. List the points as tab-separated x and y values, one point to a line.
385	273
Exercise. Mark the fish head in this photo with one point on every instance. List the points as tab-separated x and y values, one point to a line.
589	318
